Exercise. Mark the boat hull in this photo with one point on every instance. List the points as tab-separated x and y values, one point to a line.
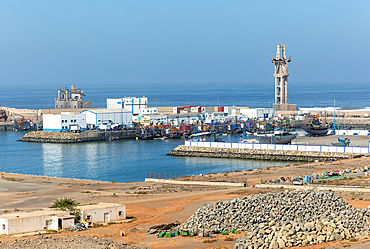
276	139
316	131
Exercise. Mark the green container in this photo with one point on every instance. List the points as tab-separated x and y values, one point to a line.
224	233
168	235
185	233
191	234
160	235
236	231
176	233
231	231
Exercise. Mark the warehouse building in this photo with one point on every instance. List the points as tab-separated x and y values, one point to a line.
103	117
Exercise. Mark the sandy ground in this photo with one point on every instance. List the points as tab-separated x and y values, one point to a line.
163	204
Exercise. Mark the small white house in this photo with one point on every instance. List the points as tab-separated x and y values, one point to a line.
103	212
65	121
24	222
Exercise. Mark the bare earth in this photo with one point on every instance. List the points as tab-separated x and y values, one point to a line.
163	204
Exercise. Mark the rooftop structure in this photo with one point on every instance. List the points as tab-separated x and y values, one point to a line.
281	80
71	99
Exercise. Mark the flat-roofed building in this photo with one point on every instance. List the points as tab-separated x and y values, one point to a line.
103	212
24	222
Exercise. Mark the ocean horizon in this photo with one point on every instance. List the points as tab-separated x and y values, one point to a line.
261	95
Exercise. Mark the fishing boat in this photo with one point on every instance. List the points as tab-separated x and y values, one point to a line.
279	137
316	128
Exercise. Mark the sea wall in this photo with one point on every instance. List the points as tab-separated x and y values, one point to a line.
70	137
258	154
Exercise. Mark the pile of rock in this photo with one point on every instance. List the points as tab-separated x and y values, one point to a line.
45	242
260	154
286	219
51	137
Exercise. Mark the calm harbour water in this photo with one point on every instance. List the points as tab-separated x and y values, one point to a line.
121	161
129	160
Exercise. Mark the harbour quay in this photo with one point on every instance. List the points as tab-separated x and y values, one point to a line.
71	137
262	154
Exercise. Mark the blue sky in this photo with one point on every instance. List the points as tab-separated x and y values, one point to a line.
181	42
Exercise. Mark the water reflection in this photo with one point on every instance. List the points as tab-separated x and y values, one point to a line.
90	156
52	156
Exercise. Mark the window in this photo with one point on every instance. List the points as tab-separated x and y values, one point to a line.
3	226
119	213
88	217
62	121
74	120
71	120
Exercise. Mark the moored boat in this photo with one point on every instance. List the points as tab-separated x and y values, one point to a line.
280	138
316	128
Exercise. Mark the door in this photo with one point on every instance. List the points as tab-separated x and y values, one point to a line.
106	217
60	224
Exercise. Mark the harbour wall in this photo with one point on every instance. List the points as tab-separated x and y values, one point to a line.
6	127
70	137
260	154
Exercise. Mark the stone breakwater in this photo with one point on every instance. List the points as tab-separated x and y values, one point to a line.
259	154
286	219
77	241
70	137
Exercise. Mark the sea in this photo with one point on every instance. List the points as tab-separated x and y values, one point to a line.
129	160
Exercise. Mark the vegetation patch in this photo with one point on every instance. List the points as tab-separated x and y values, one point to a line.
13	179
209	241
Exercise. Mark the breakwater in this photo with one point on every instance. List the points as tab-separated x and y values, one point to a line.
258	154
70	137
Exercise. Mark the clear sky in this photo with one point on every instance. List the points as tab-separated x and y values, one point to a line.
181	42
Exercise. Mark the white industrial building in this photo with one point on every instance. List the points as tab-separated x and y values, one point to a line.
148	111
96	118
103	212
259	113
64	122
132	104
209	118
24	222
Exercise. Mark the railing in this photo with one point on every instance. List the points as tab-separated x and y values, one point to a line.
317	148
160	176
